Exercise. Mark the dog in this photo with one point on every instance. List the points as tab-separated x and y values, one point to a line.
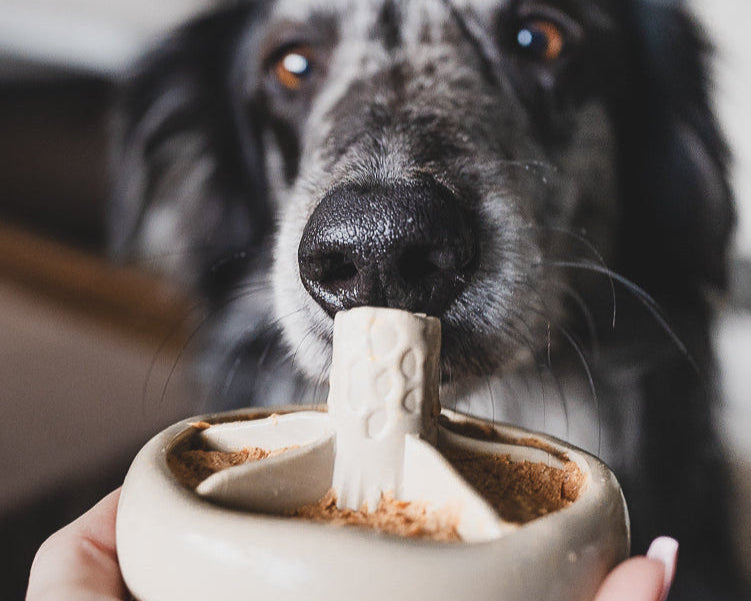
546	176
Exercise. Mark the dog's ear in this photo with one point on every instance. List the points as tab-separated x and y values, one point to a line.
189	193
677	207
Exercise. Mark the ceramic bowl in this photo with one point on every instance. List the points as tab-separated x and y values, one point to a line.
172	544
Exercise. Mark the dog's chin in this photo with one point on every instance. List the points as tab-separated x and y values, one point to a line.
308	334
462	368
472	346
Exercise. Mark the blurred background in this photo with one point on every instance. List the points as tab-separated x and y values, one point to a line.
90	356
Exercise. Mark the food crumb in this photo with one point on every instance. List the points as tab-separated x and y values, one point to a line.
401	518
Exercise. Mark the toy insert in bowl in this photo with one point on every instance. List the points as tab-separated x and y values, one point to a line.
519	491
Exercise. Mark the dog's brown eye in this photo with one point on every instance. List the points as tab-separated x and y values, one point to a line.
293	66
542	39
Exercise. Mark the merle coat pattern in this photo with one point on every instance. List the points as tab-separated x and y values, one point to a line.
544	176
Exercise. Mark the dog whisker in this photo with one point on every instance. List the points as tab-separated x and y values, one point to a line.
191	336
229	377
491	399
320	381
591	248
232	351
585	311
176	329
293	356
560	389
549	367
545	363
242	290
641	295
590	379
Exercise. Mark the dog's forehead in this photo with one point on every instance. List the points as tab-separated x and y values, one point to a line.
361	15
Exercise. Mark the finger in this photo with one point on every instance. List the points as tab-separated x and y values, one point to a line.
79	562
665	550
636	579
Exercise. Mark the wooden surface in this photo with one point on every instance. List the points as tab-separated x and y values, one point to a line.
92	362
125	298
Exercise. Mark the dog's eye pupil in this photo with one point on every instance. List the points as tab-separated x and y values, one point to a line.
293	67
542	39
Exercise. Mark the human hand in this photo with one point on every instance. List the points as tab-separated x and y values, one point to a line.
643	578
79	563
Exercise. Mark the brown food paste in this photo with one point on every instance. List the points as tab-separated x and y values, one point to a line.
520	491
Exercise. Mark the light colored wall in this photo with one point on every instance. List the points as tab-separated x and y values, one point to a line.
727	22
99	35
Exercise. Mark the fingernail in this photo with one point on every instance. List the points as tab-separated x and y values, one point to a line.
665	550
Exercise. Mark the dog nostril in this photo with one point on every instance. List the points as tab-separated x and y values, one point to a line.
335	268
447	259
420	263
408	245
330	277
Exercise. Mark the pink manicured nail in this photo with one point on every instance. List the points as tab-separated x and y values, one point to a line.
665	550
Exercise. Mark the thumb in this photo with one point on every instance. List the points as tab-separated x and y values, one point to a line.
643	578
79	562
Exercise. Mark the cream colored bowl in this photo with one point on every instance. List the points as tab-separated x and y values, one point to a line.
174	545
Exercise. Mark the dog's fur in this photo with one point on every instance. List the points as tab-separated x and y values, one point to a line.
595	185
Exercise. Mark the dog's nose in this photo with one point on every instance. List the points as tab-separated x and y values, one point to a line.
407	245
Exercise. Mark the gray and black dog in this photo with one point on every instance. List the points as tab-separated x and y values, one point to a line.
544	176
